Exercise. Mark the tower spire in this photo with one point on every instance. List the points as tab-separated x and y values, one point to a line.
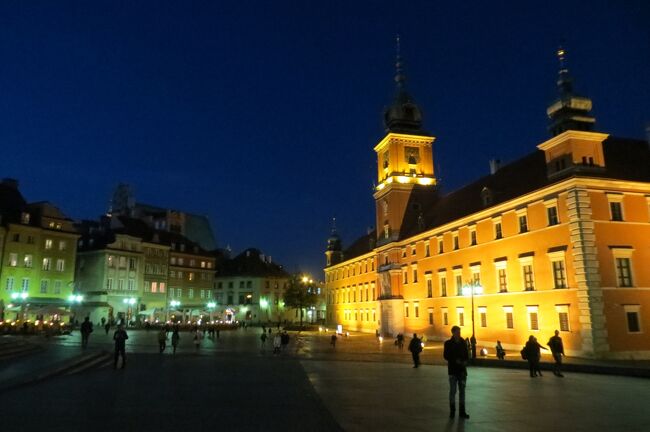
403	115
569	111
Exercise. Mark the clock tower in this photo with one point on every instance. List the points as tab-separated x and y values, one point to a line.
405	185
404	161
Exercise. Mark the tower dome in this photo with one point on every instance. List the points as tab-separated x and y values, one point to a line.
403	115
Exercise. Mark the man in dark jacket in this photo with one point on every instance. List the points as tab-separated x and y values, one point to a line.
557	349
86	330
120	338
457	357
415	346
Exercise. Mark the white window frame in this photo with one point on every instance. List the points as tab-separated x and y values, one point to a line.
460	311
459	288
623	253
444	313
532	309
501	265
509	310
442	275
497	221
558	256
482	310
522	213
548	204
563	309
523	262
615	198
633	309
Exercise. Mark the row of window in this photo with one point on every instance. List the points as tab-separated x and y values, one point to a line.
121	262
48	244
249	284
157	269
130	284
191	263
28	262
178	293
366	292
190	275
24	286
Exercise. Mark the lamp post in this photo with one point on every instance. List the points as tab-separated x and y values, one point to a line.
471	289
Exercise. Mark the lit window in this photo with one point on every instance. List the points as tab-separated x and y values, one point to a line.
131	285
48	243
62	245
25	285
154	287
460	312
559	274
13	259
445	317
120	284
442	280
28	260
60	265
109	284
24	218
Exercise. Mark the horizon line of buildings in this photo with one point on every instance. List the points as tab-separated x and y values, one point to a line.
138	262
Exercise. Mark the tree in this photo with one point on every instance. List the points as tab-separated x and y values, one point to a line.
300	294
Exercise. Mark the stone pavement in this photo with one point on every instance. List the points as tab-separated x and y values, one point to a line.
232	384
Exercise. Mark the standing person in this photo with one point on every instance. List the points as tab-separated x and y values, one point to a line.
175	338
557	349
162	339
415	346
120	338
277	342
457	356
198	335
533	354
107	326
263	339
86	330
284	339
217	332
501	353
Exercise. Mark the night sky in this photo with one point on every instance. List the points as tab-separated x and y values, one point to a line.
263	115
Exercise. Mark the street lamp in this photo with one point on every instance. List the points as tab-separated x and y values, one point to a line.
471	289
129	302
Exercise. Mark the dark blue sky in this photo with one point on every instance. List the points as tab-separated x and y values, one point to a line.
263	115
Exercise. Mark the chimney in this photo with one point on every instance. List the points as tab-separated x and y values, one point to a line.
13	183
495	164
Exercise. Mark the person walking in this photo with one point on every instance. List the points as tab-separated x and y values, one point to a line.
533	354
415	346
333	341
162	340
263	339
557	349
457	356
120	336
400	341
501	353
86	330
175	338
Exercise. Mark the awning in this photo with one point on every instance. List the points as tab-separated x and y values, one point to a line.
147	312
50	310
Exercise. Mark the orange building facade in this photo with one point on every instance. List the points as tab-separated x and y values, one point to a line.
557	240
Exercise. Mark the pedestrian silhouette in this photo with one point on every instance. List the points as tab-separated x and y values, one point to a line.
175	338
120	338
86	330
557	349
457	356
